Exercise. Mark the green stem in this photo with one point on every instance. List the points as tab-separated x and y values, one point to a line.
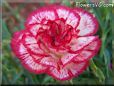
97	72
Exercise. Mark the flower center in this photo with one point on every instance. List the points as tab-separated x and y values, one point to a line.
59	33
57	36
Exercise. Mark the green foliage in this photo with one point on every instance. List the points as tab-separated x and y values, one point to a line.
99	71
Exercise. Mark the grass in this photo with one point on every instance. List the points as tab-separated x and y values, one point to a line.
101	66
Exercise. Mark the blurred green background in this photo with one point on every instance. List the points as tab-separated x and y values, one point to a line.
101	69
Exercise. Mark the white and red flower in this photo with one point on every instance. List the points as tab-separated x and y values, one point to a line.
57	40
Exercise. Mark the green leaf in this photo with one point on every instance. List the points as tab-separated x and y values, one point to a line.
47	79
107	60
5	31
16	77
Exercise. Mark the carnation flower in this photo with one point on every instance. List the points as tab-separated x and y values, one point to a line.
58	41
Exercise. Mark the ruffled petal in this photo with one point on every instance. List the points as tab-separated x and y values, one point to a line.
17	38
88	24
42	15
79	43
77	68
29	61
36	28
30	64
67	72
49	61
31	44
67	58
67	14
88	51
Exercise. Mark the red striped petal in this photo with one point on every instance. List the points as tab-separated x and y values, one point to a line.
89	51
88	24
67	58
31	44
15	41
29	63
49	61
41	15
79	43
67	14
67	72
77	68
